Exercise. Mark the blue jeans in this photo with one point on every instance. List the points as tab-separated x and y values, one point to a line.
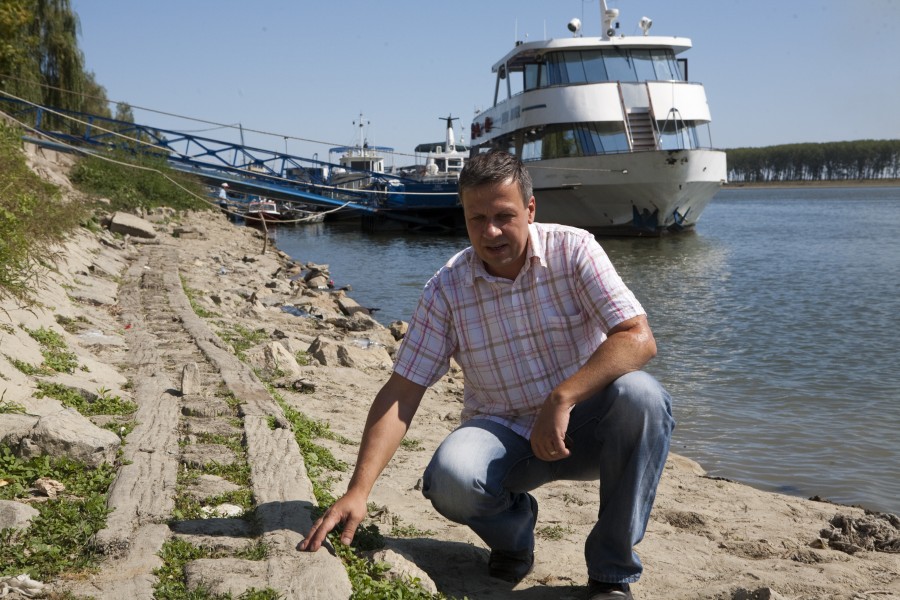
481	473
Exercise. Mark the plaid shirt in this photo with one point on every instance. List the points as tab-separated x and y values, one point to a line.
516	340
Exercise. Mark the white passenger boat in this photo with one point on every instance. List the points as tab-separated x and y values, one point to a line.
615	136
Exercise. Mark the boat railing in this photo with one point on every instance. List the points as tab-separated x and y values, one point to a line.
674	117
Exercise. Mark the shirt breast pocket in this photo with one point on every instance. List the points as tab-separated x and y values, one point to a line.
565	340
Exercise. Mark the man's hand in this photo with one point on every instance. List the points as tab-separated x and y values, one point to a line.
349	509
549	433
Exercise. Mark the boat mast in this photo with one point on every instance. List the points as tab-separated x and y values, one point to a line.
451	143
362	143
607	16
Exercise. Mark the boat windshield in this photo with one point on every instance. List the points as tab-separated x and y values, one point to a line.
572	67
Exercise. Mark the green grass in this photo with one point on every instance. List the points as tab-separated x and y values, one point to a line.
409	531
411	444
241	338
152	184
195	306
33	219
176	553
367	578
57	356
10	407
102	404
58	539
553	532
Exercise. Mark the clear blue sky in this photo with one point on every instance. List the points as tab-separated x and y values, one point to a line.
775	71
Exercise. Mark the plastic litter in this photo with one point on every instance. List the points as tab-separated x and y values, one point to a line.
21	584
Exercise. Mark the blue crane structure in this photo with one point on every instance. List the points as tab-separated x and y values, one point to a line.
247	170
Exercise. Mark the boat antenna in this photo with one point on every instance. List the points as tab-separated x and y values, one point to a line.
362	142
607	16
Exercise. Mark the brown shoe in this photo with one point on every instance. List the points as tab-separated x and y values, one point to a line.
510	566
514	566
599	590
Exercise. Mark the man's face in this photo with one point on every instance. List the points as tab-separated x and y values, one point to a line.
497	220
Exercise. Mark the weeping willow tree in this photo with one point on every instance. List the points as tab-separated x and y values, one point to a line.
41	62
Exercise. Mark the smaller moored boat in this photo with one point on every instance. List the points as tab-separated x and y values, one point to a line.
434	183
262	209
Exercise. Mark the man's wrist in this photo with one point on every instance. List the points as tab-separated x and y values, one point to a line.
560	401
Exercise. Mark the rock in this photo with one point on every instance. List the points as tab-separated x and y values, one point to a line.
223	510
405	569
128	224
208	486
16	515
200	455
190	379
15	427
330	353
49	487
188	233
358	322
311	576
273	358
63	433
23	584
319	282
304	385
350	307
398	329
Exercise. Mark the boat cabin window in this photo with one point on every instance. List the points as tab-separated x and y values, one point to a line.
581	139
532	76
664	65
594	66
597	66
683	135
643	65
619	66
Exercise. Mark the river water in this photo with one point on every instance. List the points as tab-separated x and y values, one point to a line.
777	324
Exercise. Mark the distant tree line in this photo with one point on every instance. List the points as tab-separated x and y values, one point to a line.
41	62
829	161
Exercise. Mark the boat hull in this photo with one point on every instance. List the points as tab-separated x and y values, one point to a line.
635	193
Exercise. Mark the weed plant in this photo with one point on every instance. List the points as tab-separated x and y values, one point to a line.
195	306
57	356
367	578
241	338
33	219
170	584
103	403
148	183
57	541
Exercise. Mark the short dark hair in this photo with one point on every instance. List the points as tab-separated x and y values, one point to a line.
494	168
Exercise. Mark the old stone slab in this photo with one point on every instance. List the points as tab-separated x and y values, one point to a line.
16	515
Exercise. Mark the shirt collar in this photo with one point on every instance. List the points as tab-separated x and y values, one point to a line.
534	254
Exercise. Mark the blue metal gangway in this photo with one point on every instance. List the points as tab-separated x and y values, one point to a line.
245	168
